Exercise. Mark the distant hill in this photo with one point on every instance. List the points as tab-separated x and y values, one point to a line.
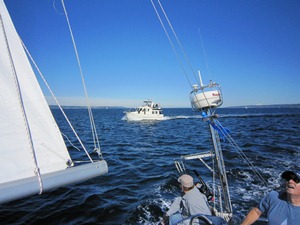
267	106
84	107
242	106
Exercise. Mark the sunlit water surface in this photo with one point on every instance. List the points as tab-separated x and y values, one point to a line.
141	181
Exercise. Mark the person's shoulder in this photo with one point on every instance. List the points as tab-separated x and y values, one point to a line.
278	195
194	191
274	193
271	196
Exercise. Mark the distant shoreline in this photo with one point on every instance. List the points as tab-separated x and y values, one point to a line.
267	106
243	106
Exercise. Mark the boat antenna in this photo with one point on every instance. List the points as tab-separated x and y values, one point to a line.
93	126
200	78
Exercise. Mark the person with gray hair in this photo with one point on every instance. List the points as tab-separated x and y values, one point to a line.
280	208
191	203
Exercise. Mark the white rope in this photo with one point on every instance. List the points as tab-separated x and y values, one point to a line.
176	37
174	49
214	178
55	99
240	152
93	126
26	124
172	45
206	62
70	141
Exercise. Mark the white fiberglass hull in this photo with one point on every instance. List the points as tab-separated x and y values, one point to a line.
135	116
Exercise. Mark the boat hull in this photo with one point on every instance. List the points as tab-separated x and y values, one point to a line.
135	116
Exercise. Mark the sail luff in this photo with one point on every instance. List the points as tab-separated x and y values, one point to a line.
34	157
18	81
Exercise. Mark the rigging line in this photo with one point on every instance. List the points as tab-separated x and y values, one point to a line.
206	99
239	150
54	6
93	127
181	47
95	137
70	141
176	37
178	58
203	92
206	62
214	177
232	142
250	164
171	43
25	118
223	176
55	99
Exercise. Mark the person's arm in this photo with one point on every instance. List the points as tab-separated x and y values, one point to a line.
252	216
174	207
165	220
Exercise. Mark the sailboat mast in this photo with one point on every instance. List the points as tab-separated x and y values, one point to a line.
221	172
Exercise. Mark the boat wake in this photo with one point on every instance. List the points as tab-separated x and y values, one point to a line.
162	119
182	117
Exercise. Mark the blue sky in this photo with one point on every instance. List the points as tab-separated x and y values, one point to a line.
251	48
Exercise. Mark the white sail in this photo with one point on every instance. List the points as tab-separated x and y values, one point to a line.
30	140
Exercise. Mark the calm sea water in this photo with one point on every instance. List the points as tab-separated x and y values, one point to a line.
141	182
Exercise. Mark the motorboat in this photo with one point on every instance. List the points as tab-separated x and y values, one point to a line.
148	111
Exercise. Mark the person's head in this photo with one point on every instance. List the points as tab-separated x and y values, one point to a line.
186	182
292	182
